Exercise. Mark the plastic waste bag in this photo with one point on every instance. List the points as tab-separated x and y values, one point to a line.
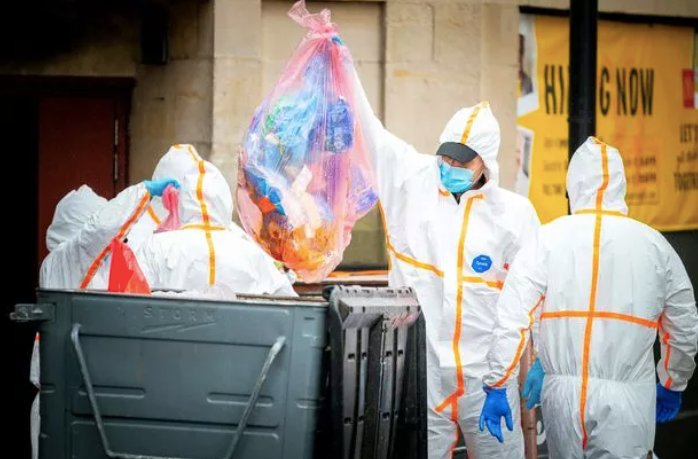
170	201
304	177
125	276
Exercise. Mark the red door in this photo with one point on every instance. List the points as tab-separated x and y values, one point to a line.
80	142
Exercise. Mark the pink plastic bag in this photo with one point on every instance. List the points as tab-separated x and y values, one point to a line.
304	177
170	201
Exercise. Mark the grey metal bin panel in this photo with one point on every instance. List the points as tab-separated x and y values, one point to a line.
173	376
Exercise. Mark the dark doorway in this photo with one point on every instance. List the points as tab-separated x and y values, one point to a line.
58	134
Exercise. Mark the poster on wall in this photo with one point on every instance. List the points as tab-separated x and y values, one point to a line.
647	107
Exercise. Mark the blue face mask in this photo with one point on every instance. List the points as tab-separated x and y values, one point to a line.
456	179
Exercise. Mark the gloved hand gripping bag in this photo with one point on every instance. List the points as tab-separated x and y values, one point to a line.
170	200
304	177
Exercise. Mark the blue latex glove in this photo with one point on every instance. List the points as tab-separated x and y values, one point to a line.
534	385
157	187
668	404
496	406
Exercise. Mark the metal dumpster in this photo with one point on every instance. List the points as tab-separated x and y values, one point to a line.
146	376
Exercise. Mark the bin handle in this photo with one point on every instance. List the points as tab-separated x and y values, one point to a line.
87	380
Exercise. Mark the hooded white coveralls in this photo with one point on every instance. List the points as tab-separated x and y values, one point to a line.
78	239
83	226
455	255
262	274
179	161
205	251
610	284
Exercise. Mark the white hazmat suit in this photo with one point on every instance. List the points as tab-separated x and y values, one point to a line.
205	251
78	239
83	226
455	255
182	160
609	284
179	161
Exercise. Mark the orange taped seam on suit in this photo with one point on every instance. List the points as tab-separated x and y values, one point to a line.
610	213
499	285
599	315
415	263
202	227
596	255
455	444
402	257
120	235
200	193
665	341
193	154
153	216
211	258
469	123
520	349
669	380
207	222
452	399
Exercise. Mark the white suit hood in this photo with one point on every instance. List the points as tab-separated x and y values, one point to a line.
480	129
180	160
593	175
206	251
83	227
205	198
72	212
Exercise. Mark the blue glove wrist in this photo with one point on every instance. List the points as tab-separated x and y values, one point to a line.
157	187
493	390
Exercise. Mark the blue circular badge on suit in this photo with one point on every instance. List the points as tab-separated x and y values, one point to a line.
482	263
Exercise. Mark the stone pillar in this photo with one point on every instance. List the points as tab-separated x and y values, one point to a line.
237	78
172	103
442	56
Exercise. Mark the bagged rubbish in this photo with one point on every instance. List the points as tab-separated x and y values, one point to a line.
125	275
170	201
304	176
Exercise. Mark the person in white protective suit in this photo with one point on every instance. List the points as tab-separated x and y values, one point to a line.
83	226
205	251
182	160
451	234
78	239
177	162
603	286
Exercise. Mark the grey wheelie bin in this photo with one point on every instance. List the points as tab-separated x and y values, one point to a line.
148	377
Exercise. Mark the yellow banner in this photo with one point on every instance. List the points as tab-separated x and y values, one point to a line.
645	107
